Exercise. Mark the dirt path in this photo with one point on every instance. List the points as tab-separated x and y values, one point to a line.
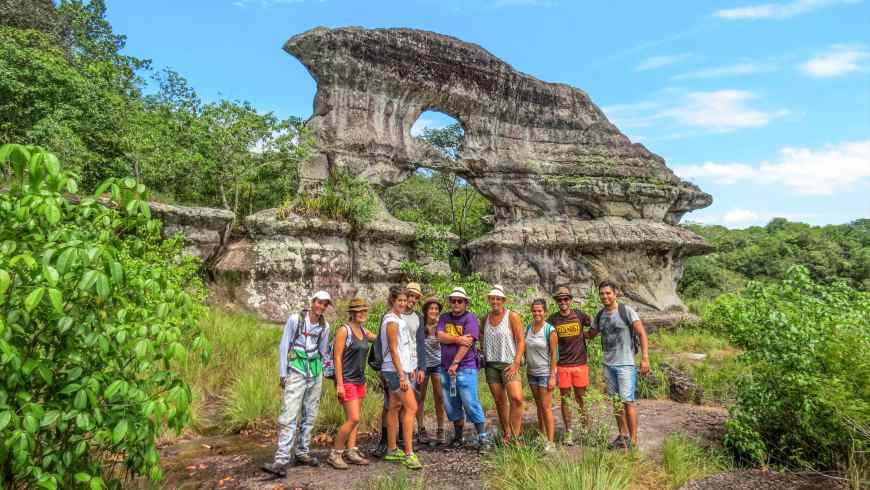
233	461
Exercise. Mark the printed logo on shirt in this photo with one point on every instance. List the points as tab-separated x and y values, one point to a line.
453	329
570	329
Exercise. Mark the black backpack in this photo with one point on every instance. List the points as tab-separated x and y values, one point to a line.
623	313
376	353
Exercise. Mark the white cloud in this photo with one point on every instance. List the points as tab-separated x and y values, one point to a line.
777	11
721	111
803	170
744	217
840	59
735	69
656	62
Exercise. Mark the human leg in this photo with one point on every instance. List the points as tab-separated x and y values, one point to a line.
294	391
514	389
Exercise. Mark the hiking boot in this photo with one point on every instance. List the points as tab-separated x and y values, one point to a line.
568	438
456	443
307	460
275	469
619	442
412	463
336	461
381	450
484	444
396	455
423	436
354	456
439	439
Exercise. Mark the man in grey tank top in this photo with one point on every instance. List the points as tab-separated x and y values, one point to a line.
504	343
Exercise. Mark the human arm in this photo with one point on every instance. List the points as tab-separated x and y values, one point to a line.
554	348
593	329
516	325
644	345
284	347
337	359
460	354
369	336
420	372
393	346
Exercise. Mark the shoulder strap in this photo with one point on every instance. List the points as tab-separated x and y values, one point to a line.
300	323
598	318
623	313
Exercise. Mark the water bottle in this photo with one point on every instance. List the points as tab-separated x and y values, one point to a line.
453	386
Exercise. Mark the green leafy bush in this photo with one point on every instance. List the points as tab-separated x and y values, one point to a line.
432	240
94	307
344	197
809	347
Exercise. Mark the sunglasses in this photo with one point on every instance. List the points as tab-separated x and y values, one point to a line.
455	301
564	300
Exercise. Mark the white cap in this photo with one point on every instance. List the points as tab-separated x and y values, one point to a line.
458	292
497	290
321	295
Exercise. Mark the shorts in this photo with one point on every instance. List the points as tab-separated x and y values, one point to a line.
573	376
541	381
495	374
431	370
392	380
622	381
465	403
353	392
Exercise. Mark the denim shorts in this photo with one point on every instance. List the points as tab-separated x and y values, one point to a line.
542	381
621	380
465	401
393	380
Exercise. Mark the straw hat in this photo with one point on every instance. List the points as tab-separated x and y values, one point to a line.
413	287
432	300
563	292
497	290
458	292
357	304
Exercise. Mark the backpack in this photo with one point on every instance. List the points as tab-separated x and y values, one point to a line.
300	321
623	313
329	362
376	353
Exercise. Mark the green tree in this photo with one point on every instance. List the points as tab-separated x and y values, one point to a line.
94	309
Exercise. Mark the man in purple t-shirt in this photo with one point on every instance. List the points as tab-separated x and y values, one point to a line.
458	330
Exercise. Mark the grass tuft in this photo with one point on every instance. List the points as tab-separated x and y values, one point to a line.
523	467
685	460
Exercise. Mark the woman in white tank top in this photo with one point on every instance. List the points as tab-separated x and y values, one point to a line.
503	347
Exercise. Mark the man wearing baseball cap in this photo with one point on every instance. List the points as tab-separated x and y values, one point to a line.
303	347
458	331
572	369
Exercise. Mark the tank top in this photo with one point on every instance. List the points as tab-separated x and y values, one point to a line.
403	344
498	340
353	359
538	350
433	351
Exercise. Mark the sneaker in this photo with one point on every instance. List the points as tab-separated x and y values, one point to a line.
568	438
275	469
423	436
549	447
619	442
412	463
381	450
354	456
396	455
456	442
307	460
484	444
336	461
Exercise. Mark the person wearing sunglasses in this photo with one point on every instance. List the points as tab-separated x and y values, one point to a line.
458	331
572	369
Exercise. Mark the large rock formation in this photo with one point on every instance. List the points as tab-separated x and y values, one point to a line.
574	199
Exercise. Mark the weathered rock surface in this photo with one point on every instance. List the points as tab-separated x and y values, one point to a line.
575	201
205	230
282	261
681	386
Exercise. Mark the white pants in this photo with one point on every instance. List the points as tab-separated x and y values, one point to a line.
301	399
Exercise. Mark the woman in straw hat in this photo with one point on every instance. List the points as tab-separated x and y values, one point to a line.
349	358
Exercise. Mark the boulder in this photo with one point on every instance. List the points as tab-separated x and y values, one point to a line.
681	386
205	230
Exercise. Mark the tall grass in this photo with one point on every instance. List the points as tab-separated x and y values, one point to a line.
525	467
684	460
400	480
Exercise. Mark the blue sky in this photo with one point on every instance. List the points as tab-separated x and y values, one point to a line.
764	105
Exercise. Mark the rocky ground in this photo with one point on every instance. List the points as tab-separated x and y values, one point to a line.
233	461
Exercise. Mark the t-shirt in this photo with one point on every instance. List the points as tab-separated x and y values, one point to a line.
538	350
464	324
572	342
412	323
404	346
616	337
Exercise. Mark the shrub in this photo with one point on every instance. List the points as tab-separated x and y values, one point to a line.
683	460
432	241
344	197
94	306
809	347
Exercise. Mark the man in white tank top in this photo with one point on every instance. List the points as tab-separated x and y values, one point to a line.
504	343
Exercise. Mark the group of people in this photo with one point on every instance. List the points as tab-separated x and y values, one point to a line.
415	349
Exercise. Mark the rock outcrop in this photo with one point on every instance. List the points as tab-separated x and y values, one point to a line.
574	199
205	230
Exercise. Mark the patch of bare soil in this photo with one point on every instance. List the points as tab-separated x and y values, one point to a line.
234	461
759	479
